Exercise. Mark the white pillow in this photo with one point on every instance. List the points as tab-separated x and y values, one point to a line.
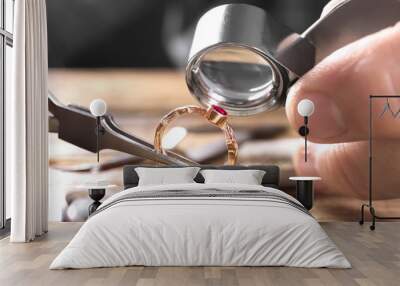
247	177
165	176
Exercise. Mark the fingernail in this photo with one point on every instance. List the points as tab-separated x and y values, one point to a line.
328	120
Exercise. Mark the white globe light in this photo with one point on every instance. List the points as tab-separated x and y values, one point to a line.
98	107
305	108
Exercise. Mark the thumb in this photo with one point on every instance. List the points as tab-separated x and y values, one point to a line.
343	168
340	86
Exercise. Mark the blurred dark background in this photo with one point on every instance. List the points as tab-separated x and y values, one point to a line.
144	33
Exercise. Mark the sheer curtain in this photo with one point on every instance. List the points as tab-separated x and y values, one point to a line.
27	123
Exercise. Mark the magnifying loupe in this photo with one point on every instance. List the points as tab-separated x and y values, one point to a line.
244	61
237	78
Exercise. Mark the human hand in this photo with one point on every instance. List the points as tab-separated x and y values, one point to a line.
340	86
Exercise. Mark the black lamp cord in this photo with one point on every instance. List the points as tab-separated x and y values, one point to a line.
305	137
98	138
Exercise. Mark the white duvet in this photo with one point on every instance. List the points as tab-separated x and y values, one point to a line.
200	231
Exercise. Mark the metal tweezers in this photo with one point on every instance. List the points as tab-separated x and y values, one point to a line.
76	125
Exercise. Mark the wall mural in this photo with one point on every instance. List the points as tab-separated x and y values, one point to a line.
141	78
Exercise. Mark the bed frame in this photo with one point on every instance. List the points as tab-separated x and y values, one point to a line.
270	179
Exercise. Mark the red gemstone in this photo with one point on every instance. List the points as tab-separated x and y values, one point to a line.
220	110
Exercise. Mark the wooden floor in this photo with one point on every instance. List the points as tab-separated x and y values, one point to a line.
375	257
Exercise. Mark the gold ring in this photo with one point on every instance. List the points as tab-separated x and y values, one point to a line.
215	115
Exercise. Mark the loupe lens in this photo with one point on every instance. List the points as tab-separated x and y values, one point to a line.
237	78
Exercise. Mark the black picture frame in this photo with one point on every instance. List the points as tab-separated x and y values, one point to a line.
369	205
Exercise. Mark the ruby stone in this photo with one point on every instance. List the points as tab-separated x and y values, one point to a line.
220	110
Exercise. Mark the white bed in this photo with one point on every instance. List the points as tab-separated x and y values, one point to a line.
250	225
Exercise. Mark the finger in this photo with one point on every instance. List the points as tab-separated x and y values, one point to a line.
344	169
340	86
